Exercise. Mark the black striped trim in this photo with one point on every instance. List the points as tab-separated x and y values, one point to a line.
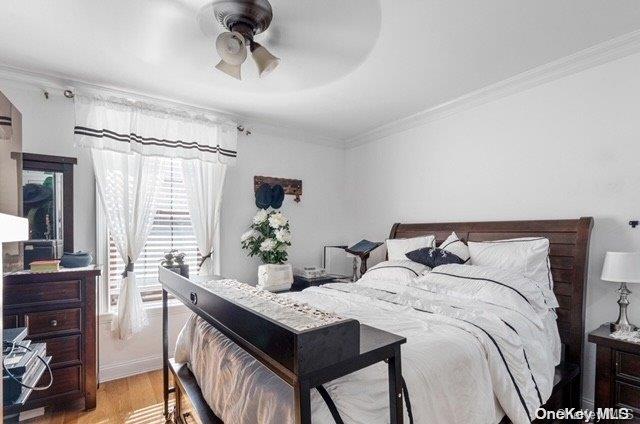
133	137
5	120
330	404
504	361
393	266
483	279
524	352
407	401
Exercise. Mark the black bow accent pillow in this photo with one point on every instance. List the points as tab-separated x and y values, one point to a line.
433	257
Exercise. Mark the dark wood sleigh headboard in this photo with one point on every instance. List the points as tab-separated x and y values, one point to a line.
569	256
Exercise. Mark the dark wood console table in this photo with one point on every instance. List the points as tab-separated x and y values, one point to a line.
328	357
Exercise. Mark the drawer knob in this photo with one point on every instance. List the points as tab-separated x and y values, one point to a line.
54	322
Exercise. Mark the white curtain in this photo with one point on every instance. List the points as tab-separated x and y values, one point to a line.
128	140
204	182
127	186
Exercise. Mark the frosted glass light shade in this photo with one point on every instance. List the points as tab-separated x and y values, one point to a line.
266	61
232	48
621	267
231	70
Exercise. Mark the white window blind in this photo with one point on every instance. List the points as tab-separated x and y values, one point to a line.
171	230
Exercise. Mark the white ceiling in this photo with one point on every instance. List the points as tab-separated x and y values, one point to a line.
347	67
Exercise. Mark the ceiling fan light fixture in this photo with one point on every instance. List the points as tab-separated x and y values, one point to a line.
264	59
229	69
232	48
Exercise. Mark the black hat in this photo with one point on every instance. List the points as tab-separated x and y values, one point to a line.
277	196
35	193
264	196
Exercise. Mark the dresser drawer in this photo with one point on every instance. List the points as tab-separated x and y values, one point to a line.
64	350
21	294
628	365
628	396
60	321
66	381
10	321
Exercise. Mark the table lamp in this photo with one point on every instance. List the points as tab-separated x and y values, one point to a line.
623	268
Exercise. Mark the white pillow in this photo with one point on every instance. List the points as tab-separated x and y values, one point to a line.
394	271
454	245
397	248
528	255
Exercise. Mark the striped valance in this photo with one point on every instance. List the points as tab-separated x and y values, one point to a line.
5	118
130	126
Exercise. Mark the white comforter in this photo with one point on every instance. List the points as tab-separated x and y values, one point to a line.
465	361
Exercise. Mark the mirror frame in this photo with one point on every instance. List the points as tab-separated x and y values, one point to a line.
63	164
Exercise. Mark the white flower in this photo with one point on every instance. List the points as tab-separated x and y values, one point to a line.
248	235
260	217
278	220
283	236
267	245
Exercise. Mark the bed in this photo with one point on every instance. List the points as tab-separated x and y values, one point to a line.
458	365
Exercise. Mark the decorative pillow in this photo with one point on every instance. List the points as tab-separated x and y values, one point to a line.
454	245
394	271
433	257
528	255
398	248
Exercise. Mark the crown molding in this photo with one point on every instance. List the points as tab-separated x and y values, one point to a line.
56	84
598	54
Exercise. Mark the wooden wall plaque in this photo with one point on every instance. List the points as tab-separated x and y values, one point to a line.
290	186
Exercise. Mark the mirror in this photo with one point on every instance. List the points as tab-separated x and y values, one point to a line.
47	202
42	205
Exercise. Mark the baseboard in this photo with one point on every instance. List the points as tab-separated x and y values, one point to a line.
587	404
129	368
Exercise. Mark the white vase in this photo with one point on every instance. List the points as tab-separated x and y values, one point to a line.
273	277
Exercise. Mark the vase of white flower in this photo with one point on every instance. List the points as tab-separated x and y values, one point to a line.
268	238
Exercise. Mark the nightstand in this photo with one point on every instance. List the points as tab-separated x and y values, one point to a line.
617	372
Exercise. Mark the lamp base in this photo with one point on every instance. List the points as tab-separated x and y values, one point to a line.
623	324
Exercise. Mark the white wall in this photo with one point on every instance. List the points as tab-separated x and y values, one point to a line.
566	149
317	220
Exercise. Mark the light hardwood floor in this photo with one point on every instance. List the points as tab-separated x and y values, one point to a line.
132	400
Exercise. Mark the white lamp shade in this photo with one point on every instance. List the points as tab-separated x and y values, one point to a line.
621	267
232	48
231	70
266	61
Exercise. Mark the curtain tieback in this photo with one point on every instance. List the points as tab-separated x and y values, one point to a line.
128	267
204	258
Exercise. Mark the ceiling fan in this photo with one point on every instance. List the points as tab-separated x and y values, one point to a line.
243	19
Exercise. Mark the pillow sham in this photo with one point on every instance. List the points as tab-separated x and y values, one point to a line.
394	271
454	245
398	248
433	257
527	255
496	286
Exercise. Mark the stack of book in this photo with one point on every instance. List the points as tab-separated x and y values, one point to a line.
45	266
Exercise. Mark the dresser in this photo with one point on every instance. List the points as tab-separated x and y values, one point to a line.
58	308
617	373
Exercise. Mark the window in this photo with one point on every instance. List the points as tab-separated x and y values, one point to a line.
171	230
